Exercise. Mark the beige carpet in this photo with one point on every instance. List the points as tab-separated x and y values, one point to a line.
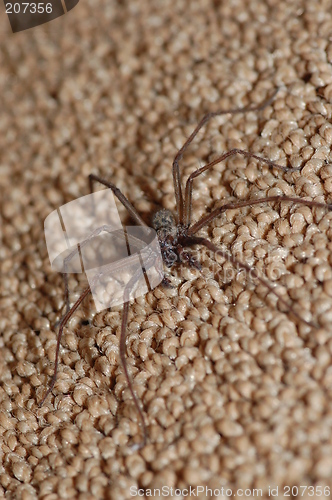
236	392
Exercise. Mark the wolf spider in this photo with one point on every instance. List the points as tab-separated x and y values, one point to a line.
176	234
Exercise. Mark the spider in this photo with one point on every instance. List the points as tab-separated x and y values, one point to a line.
177	233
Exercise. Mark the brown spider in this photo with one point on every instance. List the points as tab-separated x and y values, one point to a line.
174	235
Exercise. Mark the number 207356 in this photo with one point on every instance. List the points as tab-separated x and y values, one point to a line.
27	7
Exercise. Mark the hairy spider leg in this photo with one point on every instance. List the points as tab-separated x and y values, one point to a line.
124	324
224	156
249	203
120	196
63	322
176	170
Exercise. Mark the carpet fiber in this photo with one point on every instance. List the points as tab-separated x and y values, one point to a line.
235	390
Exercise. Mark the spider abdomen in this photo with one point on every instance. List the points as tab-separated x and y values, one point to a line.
164	223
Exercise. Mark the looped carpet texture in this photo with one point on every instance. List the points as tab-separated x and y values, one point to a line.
236	392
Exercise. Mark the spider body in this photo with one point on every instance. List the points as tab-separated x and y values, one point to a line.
172	239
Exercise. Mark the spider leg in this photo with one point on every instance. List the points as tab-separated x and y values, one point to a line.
253	273
199	171
126	297
124	324
180	205
120	196
215	213
63	322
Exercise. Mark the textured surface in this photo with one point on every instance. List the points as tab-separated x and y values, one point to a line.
236	393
